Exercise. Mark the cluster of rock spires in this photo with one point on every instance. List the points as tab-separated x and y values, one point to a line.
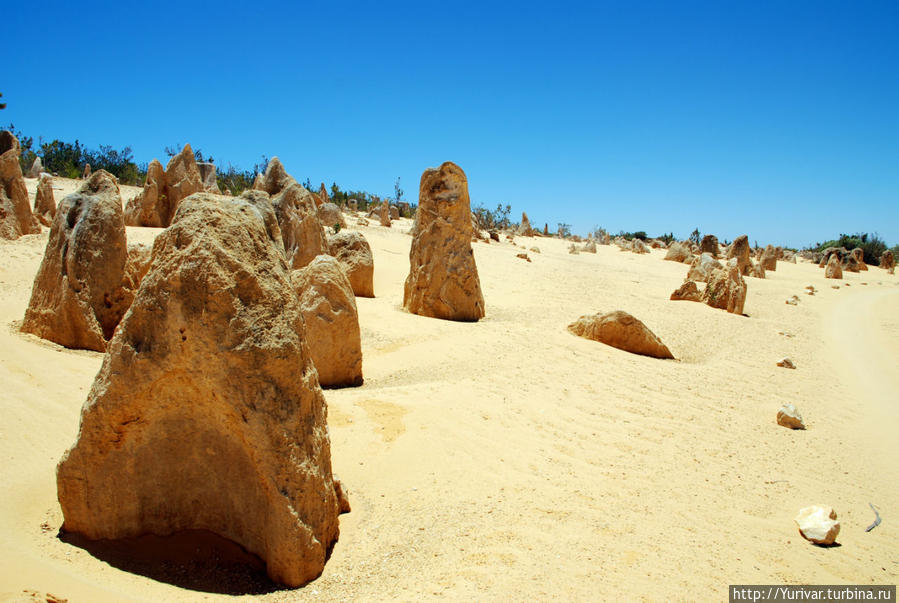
16	218
165	189
207	412
725	286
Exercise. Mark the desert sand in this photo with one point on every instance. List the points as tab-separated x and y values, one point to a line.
509	460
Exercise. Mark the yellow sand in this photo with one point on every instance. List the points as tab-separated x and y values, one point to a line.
509	460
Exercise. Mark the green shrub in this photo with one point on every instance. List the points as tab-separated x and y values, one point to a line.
871	244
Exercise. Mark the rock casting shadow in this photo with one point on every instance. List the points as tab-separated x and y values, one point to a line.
197	560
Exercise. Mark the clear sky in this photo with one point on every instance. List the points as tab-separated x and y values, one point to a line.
775	119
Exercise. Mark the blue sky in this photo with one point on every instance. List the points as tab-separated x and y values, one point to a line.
775	119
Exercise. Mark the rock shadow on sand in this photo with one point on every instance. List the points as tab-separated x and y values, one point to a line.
196	560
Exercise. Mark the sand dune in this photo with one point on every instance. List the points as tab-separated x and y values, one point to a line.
508	459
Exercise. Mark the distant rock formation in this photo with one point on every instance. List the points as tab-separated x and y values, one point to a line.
739	249
833	269
709	244
354	254
679	251
208	177
78	299
36	168
330	215
443	277
620	330
164	189
207	413
702	267
275	179
524	229
768	259
687	292
887	261
44	203
638	246
726	290
332	321
16	218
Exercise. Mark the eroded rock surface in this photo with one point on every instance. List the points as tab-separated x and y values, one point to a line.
332	321
77	298
443	277
207	413
620	330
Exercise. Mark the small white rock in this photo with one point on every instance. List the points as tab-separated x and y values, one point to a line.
818	524
789	416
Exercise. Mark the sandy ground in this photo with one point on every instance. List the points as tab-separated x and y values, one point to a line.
509	460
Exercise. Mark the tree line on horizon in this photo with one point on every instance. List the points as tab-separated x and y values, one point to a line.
67	159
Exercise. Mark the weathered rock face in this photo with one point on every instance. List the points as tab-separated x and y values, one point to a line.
353	205
788	416
164	189
709	244
840	252
182	179
275	179
323	195
686	292
301	230
87	171
384	214
702	268
36	168
833	268
332	321
887	261
44	203
620	330
678	251
151	206
354	254
768	260
443	278
726	290
136	266
207	413
208	177
858	255
77	299
329	215
739	249
524	229
818	524
756	270
16	218
786	362
638	246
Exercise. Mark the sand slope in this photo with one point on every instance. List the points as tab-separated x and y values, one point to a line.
508	459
